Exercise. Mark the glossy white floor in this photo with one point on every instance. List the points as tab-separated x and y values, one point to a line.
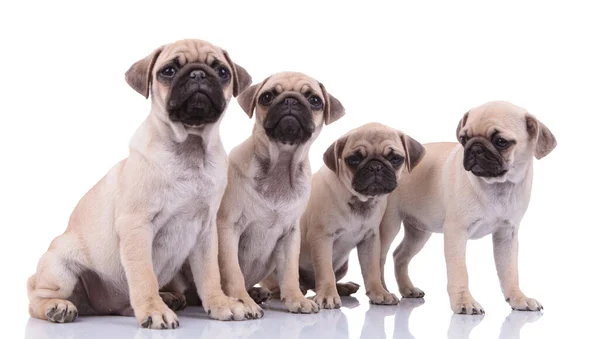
413	318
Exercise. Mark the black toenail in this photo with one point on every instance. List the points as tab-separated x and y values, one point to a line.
163	325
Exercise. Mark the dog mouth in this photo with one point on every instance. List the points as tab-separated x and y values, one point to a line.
479	171
288	129
196	110
374	178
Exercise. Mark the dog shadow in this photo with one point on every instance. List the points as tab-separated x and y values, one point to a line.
461	326
374	325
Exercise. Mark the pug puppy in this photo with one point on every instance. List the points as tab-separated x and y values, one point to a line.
268	188
131	233
347	202
468	190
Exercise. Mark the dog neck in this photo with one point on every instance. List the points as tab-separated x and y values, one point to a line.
273	154
157	136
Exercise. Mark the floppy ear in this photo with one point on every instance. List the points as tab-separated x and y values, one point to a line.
333	154
139	75
413	149
247	98
461	124
241	78
333	109
544	139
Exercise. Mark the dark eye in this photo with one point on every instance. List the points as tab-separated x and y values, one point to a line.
353	160
463	140
266	98
501	143
168	71
223	73
315	102
395	159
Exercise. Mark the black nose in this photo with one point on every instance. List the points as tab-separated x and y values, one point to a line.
476	149
375	167
198	74
289	101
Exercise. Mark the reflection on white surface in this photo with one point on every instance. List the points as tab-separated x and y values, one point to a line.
278	323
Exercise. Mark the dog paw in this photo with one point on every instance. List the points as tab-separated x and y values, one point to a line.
157	316
411	292
327	300
226	308
382	298
260	294
465	304
175	301
300	304
524	304
347	289
61	311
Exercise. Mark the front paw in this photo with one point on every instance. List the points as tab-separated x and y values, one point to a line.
382	298
412	292
260	294
327	300
156	315
465	304
300	304
522	303
226	308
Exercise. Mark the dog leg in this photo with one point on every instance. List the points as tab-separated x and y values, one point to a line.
506	248
388	230
53	284
204	262
411	244
369	255
287	265
135	244
321	251
455	248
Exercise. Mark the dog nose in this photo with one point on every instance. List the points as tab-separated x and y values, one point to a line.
198	74
289	101
476	149
375	167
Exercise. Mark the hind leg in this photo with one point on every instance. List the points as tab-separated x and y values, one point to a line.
413	242
52	284
348	288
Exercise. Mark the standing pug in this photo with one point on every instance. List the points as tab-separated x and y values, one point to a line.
347	202
468	190
269	185
130	234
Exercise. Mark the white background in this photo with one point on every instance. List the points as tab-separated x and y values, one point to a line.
67	116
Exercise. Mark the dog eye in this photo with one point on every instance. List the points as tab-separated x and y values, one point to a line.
315	102
463	140
266	98
223	73
353	160
500	142
395	159
168	71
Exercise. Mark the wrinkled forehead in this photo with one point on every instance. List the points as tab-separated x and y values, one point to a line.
187	51
374	142
294	82
507	119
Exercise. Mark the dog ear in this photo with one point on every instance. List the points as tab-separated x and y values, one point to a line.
333	154
139	75
247	99
241	78
461	124
413	150
333	109
545	141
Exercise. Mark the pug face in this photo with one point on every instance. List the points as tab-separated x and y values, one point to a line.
369	159
500	139
191	81
290	107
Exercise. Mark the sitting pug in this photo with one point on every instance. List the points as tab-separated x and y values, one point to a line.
347	202
269	185
131	233
468	190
